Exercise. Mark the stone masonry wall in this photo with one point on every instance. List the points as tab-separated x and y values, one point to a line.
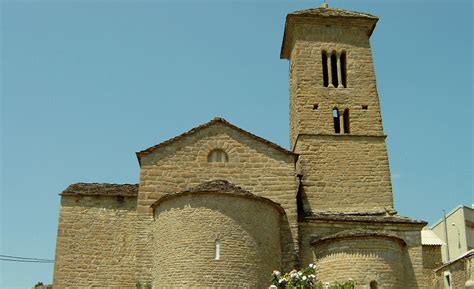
362	259
96	242
461	271
252	165
411	254
344	174
306	81
431	261
185	231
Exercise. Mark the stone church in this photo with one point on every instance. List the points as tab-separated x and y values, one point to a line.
218	206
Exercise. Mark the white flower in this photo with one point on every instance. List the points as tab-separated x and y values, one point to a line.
273	287
312	266
276	273
312	276
282	280
300	273
304	278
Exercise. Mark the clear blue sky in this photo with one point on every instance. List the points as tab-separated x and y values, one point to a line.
85	84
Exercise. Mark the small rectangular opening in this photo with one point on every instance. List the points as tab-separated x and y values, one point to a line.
315	106
365	106
217	252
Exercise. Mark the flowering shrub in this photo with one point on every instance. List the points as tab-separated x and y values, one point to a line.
304	279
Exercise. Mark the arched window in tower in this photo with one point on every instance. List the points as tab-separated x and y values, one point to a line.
334	79
337	121
373	284
217	156
346	121
324	56
343	69
334	65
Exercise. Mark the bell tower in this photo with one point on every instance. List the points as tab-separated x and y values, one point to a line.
335	119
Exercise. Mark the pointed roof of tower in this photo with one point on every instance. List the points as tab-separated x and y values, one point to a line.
323	14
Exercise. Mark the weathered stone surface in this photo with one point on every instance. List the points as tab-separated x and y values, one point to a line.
96	242
187	226
327	201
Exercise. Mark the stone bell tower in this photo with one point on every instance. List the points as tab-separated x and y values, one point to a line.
335	120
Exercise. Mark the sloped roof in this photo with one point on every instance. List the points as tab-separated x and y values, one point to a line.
103	189
357	233
216	120
429	238
468	254
217	187
221	186
332	12
321	13
362	217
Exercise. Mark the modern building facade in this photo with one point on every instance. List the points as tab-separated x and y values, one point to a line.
218	206
456	231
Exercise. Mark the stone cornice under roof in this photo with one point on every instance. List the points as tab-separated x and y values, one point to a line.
322	13
360	233
216	120
221	187
103	189
362	218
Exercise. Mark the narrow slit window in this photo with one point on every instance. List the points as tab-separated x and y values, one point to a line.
345	117
343	69
217	156
325	69
217	250
335	82
336	118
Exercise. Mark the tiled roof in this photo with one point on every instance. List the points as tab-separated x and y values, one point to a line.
96	189
359	233
221	186
362	217
332	12
218	187
321	13
216	120
467	255
429	238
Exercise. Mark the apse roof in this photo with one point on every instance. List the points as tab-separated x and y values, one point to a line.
222	187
